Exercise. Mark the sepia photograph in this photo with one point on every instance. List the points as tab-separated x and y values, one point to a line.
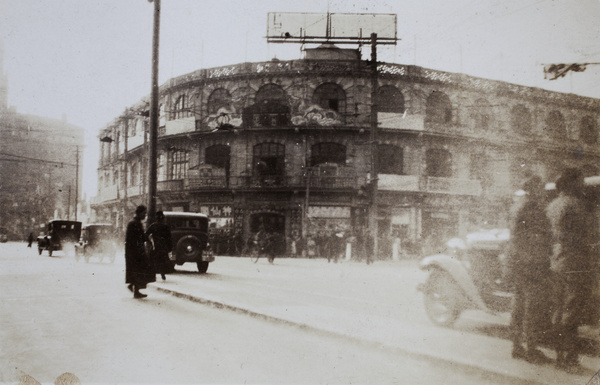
306	192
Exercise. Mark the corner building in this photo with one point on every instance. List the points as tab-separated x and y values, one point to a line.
287	145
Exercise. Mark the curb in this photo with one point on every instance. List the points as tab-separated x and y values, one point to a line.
466	368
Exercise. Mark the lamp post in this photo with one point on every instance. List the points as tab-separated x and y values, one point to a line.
153	137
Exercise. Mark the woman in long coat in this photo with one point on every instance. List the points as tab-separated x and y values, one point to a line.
159	235
138	271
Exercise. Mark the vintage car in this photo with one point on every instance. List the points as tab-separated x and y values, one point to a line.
59	234
468	274
189	232
97	240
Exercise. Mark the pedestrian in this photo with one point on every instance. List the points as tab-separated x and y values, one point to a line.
138	271
528	266
30	240
311	246
575	234
159	235
368	243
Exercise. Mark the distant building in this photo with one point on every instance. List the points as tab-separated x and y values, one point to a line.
40	175
286	145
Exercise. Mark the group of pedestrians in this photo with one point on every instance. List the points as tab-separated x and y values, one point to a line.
146	251
552	261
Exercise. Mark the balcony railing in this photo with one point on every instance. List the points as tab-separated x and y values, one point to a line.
133	191
452	186
270	181
169	185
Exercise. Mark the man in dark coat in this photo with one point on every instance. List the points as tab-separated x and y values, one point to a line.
529	272
575	236
159	235
138	271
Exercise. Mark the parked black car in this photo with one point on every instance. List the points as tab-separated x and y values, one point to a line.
97	240
189	232
59	233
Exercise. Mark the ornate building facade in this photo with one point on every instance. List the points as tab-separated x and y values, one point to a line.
287	145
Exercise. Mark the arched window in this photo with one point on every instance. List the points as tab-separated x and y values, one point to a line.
219	98
328	153
588	131
438	163
179	161
269	163
555	124
389	99
482	113
439	108
330	96
218	156
270	109
180	109
520	118
390	159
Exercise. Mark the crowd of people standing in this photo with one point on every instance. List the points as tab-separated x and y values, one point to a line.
553	260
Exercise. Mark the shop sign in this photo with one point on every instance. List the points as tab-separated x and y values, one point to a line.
217	211
329	212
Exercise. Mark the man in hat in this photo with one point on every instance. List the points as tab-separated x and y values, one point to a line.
575	234
529	272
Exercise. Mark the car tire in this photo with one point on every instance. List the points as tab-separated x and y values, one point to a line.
202	266
188	248
442	299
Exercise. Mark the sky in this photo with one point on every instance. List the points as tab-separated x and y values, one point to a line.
90	59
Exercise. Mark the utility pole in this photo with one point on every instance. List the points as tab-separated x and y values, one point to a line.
124	173
373	212
76	180
152	178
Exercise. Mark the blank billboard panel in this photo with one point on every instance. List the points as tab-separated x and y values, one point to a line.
337	27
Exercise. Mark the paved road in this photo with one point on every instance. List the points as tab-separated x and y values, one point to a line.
58	315
376	303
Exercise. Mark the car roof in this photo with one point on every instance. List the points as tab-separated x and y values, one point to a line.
183	214
98	225
63	221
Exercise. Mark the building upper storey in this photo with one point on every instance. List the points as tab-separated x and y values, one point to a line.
334	94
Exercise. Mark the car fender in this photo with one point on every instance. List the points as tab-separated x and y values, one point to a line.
458	272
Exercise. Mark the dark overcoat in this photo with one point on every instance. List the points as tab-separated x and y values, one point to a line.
138	270
162	242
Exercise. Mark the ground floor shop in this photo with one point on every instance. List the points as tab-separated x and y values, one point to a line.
414	223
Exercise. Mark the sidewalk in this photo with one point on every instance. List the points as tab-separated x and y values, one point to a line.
372	304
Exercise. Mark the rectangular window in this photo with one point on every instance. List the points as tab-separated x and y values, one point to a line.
179	164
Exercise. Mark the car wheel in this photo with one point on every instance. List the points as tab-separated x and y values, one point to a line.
188	248
202	266
442	299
